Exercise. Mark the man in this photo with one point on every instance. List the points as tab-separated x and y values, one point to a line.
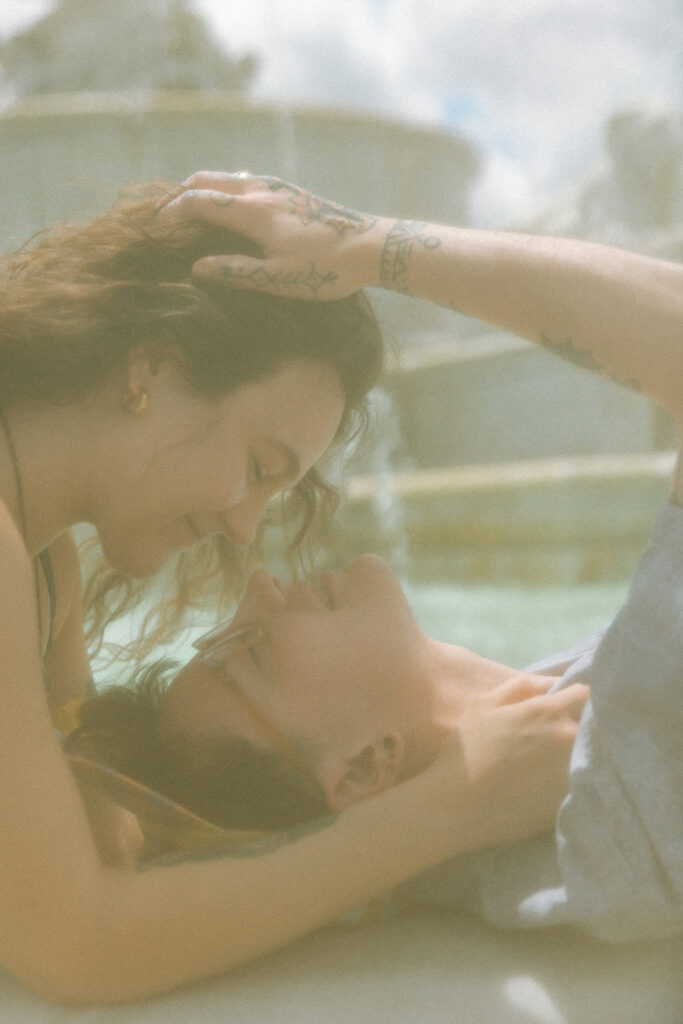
342	683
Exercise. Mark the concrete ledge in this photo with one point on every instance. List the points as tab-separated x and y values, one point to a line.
575	519
453	480
422	968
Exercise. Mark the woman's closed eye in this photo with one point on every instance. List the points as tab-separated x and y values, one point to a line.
257	473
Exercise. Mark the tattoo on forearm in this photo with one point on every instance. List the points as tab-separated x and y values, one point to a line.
293	283
310	209
584	358
254	848
398	249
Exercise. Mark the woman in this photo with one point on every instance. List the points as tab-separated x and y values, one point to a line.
165	414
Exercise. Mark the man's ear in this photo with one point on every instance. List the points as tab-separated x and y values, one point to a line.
378	766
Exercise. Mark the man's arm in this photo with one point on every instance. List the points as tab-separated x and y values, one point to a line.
611	311
615	312
620	830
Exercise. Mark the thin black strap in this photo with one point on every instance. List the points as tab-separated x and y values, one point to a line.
48	573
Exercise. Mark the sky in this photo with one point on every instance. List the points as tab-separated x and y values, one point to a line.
531	82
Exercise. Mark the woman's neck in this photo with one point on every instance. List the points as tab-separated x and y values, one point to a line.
43	468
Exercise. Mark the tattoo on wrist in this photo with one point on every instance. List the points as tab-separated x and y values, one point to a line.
397	252
292	284
239	851
309	209
585	359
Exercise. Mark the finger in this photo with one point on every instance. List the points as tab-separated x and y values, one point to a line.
223	181
200	204
573	699
522	687
239	272
247	272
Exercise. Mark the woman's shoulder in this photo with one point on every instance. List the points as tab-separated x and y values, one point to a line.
17	594
14	557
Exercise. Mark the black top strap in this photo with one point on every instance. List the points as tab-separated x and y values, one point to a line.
48	573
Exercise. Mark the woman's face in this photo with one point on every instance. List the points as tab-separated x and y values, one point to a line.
330	661
189	466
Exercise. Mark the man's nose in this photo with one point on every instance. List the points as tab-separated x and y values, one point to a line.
265	595
266	590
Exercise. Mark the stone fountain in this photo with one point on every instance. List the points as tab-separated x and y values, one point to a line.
510	461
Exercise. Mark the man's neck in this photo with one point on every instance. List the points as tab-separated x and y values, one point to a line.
453	679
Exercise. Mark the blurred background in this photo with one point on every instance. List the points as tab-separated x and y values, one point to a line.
513	492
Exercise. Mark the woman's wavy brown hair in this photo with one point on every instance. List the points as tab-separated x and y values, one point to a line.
77	300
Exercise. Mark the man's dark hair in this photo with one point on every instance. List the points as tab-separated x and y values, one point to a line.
228	780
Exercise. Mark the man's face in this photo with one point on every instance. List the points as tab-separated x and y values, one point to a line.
328	666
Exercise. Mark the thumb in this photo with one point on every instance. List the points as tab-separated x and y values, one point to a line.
246	272
302	281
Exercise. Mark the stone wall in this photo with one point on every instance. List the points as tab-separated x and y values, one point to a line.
65	156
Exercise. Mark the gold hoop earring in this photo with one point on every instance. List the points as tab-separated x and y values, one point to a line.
135	403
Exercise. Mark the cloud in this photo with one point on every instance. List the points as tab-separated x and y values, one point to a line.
531	81
18	14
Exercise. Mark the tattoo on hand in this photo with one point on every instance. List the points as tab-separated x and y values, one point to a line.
252	848
398	249
293	283
585	359
311	209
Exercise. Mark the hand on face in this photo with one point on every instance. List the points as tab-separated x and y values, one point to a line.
507	762
312	248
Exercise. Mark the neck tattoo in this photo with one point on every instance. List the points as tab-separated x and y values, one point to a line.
21	508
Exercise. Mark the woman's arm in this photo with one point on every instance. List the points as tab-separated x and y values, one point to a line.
116	832
612	311
76	930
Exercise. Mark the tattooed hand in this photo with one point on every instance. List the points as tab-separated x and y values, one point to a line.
312	248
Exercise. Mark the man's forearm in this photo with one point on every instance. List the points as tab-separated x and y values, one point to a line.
612	311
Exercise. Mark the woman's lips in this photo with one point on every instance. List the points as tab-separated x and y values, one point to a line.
194	528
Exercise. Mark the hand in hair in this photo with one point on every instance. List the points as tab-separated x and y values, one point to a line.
313	248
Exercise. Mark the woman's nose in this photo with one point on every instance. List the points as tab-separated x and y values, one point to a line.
241	522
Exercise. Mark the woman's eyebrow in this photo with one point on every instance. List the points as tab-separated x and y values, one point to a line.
293	468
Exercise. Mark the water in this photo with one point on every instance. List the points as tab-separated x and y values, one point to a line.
515	624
